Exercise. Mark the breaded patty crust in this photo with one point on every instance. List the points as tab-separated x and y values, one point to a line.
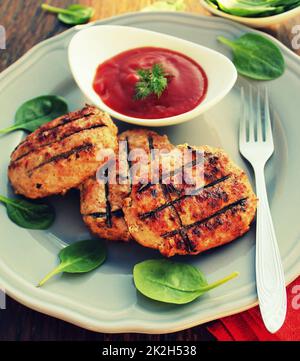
61	154
101	204
166	217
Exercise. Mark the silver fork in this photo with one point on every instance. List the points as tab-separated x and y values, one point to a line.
256	145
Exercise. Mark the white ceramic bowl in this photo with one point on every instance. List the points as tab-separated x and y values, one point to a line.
93	45
254	22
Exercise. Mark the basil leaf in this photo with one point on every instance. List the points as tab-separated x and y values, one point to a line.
28	214
171	282
36	112
81	15
80	257
74	14
256	57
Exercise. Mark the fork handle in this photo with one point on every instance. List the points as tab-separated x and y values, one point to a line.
269	271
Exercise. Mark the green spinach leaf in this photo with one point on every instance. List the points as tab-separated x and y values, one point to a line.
256	57
80	257
254	8
28	214
74	14
36	112
171	282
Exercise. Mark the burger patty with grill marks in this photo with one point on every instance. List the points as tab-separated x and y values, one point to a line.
185	220
61	154
101	204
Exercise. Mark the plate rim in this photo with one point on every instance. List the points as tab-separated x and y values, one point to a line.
117	326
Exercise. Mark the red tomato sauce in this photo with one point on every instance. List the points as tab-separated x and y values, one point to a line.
115	82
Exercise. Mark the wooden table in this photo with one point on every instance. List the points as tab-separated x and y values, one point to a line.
26	25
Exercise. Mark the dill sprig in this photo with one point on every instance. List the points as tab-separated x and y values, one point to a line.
151	81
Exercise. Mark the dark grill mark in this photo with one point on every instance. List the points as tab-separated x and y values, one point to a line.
240	202
150	143
154	193
182	232
108	206
164	176
165	189
66	155
64	120
94	126
172	203
68	119
144	187
129	164
173	189
117	213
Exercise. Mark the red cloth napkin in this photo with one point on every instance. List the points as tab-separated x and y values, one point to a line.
248	325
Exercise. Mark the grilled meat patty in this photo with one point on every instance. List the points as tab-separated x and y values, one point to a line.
62	153
101	209
181	219
101	204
